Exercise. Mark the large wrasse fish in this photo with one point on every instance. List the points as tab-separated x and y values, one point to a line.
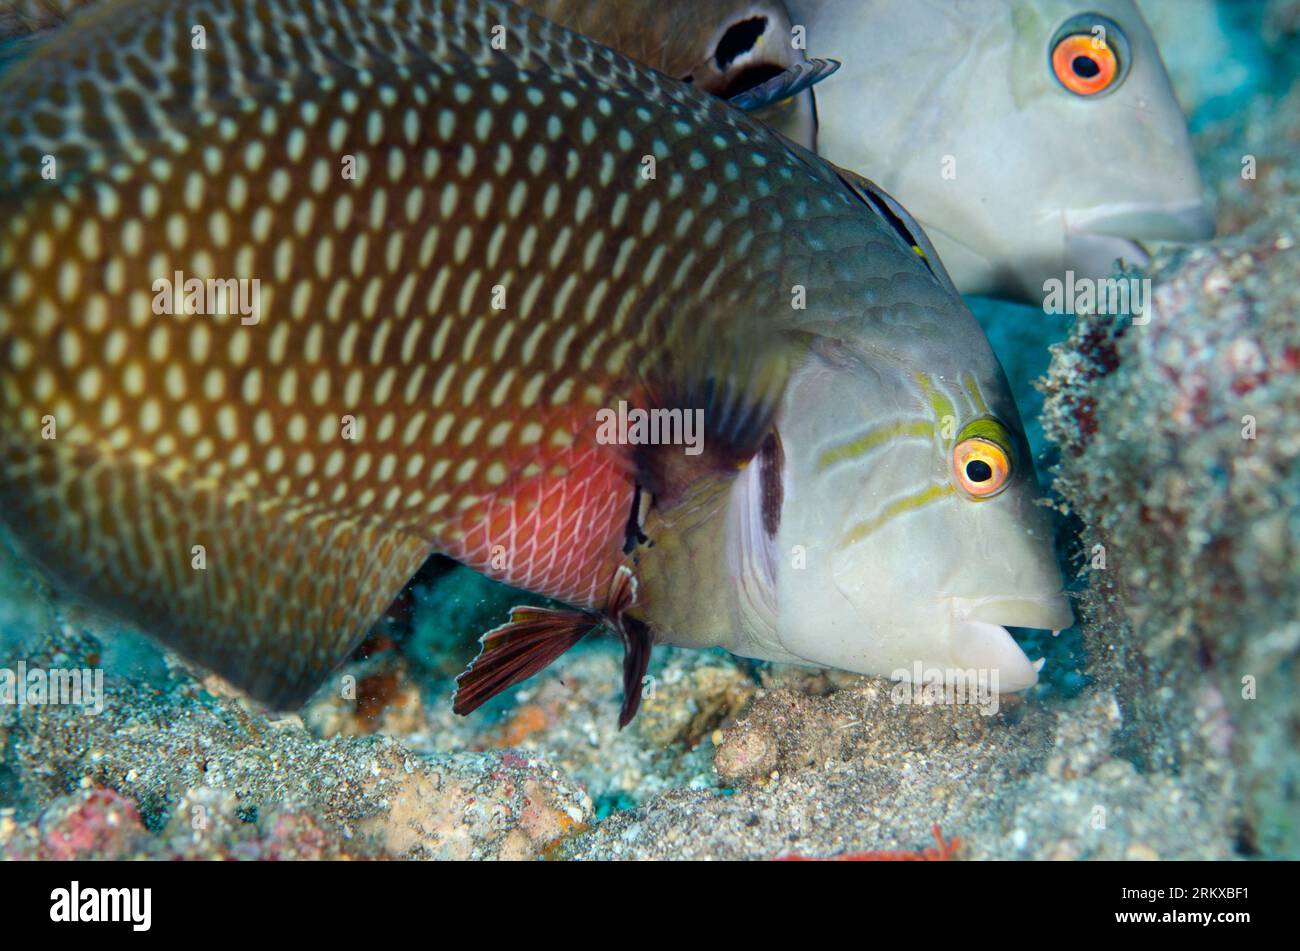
1029	137
476	235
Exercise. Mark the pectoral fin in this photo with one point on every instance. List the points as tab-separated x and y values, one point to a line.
794	80
535	637
529	642
637	645
730	391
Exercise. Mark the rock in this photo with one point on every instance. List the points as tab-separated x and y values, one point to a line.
747	753
1180	453
689	701
91	824
477	806
213	777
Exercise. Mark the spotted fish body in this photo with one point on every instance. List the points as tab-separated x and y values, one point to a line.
461	257
475	169
724	47
20	18
908	111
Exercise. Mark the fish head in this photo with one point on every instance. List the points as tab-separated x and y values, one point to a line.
1113	164
910	526
1030	137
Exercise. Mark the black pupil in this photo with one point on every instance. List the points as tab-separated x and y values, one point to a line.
977	470
1085	67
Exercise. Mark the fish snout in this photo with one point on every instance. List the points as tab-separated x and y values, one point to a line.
1097	238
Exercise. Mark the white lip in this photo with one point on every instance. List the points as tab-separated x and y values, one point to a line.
1096	238
1137	221
1048	612
982	646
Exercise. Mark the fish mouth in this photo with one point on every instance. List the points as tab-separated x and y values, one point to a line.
980	638
1095	238
1136	221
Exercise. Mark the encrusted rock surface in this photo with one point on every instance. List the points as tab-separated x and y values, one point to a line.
1181	456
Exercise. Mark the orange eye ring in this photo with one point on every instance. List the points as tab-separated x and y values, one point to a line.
1084	65
1089	55
981	467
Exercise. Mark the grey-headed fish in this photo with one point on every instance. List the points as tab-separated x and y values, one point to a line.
293	295
1029	137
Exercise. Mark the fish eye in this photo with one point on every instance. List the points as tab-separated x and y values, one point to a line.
1089	55
981	459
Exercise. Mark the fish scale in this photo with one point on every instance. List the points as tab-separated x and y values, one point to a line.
475	169
19	18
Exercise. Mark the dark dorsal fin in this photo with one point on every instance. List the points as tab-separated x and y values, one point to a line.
791	82
900	222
